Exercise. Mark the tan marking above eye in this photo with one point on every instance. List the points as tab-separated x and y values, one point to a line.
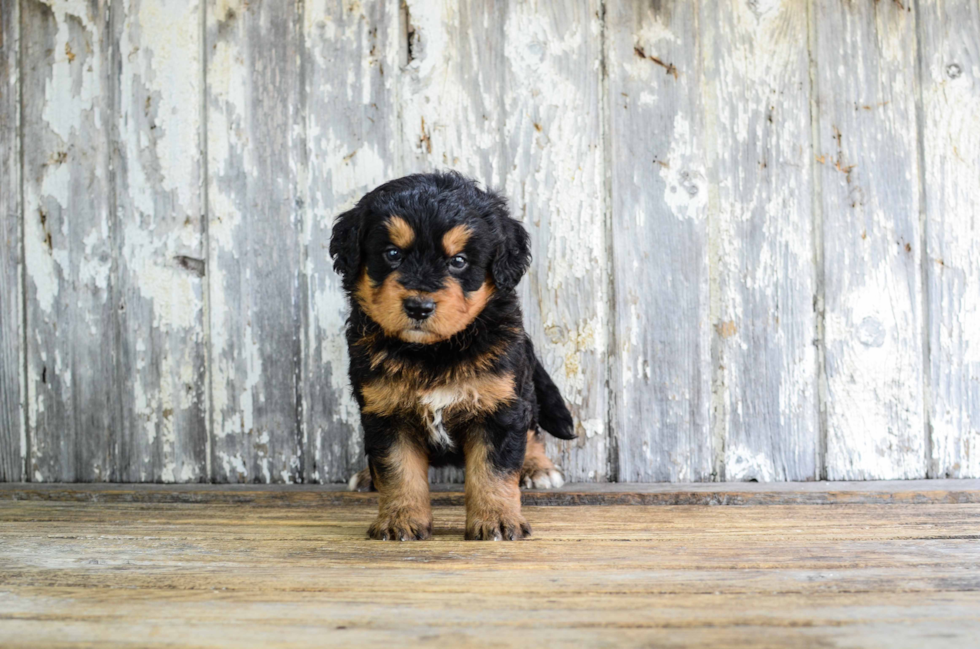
455	239
400	232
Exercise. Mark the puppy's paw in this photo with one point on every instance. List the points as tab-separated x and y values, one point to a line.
503	527
538	471
542	478
360	481
400	526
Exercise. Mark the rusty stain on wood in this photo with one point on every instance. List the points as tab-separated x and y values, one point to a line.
668	67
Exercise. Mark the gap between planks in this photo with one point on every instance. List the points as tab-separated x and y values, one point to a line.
904	492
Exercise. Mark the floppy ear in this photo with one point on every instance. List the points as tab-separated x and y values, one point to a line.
345	245
513	253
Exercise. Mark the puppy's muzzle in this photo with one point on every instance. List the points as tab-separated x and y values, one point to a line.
419	308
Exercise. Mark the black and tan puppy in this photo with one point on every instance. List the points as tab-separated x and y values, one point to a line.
439	361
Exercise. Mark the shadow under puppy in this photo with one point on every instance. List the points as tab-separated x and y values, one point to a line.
440	364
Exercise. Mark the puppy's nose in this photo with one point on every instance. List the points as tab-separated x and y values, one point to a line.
419	308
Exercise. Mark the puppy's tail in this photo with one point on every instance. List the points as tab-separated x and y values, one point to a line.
553	414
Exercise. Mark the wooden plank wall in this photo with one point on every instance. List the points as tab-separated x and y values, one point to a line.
74	409
13	431
755	248
949	63
870	201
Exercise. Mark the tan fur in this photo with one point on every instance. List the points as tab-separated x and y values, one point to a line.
493	500
383	303
454	309
400	232
536	462
538	471
388	396
404	510
535	459
455	239
479	394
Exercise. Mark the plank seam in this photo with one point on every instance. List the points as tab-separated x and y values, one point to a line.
718	424
819	298
885	493
605	128
301	200
206	234
26	441
931	458
113	80
402	42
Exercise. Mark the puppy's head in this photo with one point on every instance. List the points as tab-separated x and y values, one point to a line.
423	254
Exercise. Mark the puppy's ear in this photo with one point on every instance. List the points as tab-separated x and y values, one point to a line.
345	244
513	253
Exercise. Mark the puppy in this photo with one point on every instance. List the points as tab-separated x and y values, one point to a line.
440	364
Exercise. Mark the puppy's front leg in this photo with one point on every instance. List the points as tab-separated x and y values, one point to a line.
493	493
401	476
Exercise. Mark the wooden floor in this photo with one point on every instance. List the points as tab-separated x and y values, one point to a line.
144	567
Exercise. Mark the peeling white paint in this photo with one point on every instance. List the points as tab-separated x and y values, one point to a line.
875	415
552	137
448	121
44	265
79	79
743	464
520	113
683	175
951	147
756	85
171	51
170	289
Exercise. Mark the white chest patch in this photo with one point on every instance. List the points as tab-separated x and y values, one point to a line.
435	402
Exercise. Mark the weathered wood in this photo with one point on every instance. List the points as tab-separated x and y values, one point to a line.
880	492
450	97
350	59
870	205
658	153
158	248
451	88
13	427
233	575
255	148
949	47
756	72
72	386
526	124
555	182
661	375
238	620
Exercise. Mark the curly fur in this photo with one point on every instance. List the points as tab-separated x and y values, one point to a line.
461	386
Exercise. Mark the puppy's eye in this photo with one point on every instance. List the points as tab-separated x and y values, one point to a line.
393	256
458	262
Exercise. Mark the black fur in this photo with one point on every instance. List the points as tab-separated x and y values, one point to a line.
553	415
497	250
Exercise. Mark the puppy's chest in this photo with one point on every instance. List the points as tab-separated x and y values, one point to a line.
439	406
436	406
